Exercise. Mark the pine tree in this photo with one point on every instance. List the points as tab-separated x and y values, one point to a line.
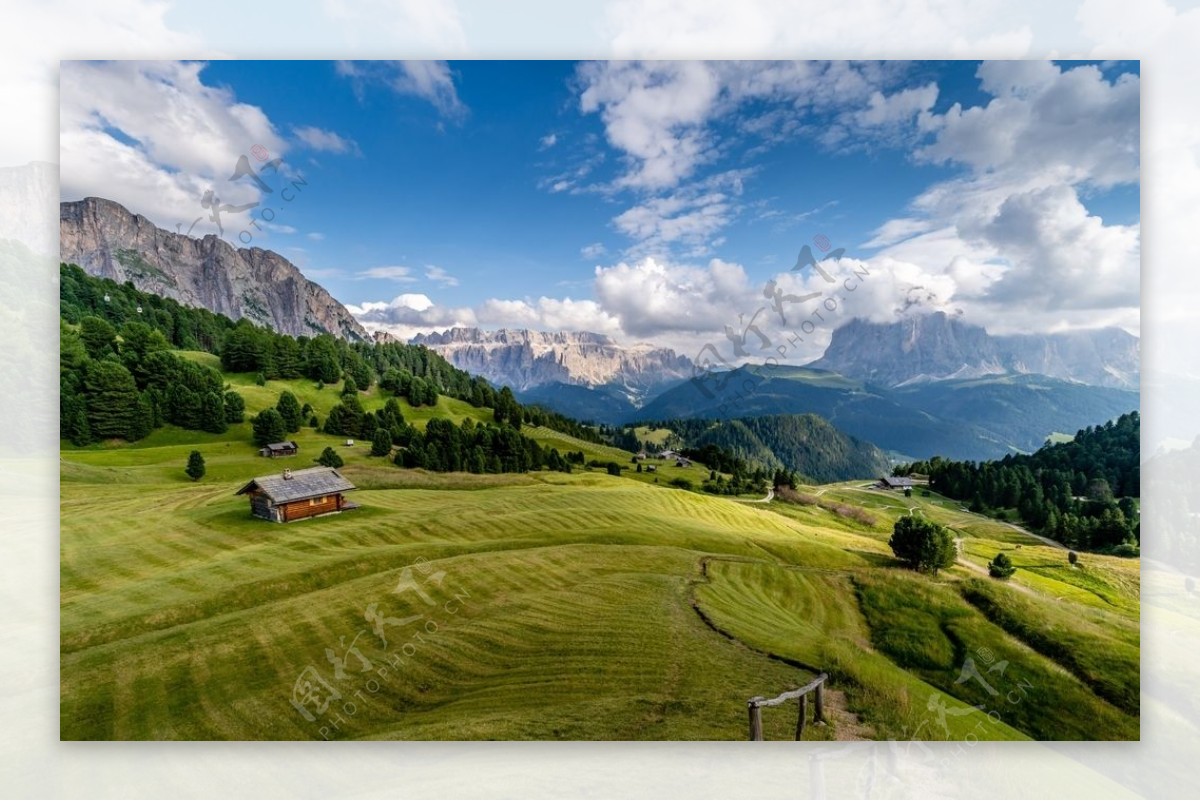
212	413
268	426
112	400
195	466
235	407
289	409
381	442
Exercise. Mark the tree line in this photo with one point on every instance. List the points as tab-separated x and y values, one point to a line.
1083	493
124	383
105	310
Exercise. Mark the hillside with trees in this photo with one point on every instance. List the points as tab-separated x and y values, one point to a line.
119	378
805	444
1083	493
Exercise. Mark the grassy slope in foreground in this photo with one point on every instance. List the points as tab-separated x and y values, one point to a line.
181	617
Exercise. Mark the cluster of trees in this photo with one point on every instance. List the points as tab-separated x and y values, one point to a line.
445	447
125	382
1083	493
802	443
185	328
410	371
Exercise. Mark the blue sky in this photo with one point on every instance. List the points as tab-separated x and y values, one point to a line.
643	200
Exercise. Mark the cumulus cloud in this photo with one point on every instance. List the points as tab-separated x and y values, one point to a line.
154	137
325	141
1069	125
1012	235
548	141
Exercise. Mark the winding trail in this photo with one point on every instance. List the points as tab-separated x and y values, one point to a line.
770	497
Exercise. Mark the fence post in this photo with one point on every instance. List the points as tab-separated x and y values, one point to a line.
756	731
819	710
802	718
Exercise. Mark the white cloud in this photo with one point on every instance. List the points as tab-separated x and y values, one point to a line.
1069	125
440	276
430	80
548	141
593	251
687	219
315	236
1010	243
154	137
391	273
325	141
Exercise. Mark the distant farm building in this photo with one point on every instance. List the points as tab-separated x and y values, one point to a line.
650	468
683	461
296	494
895	482
667	454
274	449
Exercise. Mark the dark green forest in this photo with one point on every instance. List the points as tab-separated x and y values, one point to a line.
1083	493
119	379
805	444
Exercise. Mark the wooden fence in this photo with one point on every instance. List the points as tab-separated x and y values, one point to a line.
816	686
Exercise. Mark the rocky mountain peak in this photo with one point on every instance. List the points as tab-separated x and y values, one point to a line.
108	240
938	346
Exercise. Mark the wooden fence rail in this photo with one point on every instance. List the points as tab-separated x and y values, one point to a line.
816	686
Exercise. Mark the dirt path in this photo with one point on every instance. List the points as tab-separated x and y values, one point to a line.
770	497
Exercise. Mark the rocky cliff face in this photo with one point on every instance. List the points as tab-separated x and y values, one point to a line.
107	240
525	359
936	347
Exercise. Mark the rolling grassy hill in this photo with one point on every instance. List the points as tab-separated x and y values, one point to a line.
552	606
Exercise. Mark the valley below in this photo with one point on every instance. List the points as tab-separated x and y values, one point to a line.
548	605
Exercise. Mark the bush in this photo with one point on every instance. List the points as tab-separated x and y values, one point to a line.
680	483
1072	557
922	544
330	458
614	469
1126	549
1001	567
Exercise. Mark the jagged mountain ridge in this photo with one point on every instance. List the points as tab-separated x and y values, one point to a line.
938	347
525	359
109	241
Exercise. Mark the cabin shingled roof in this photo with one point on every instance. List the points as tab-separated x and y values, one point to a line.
280	446
308	483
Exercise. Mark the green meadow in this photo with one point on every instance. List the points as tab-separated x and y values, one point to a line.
555	606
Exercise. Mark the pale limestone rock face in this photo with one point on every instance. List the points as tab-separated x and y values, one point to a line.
524	359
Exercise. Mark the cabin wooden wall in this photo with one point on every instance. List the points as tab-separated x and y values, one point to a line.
318	506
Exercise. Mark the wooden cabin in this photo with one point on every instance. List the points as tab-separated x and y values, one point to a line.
274	449
296	494
895	482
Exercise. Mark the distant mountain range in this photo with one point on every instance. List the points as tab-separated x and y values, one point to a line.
981	418
917	387
530	360
109	241
937	347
